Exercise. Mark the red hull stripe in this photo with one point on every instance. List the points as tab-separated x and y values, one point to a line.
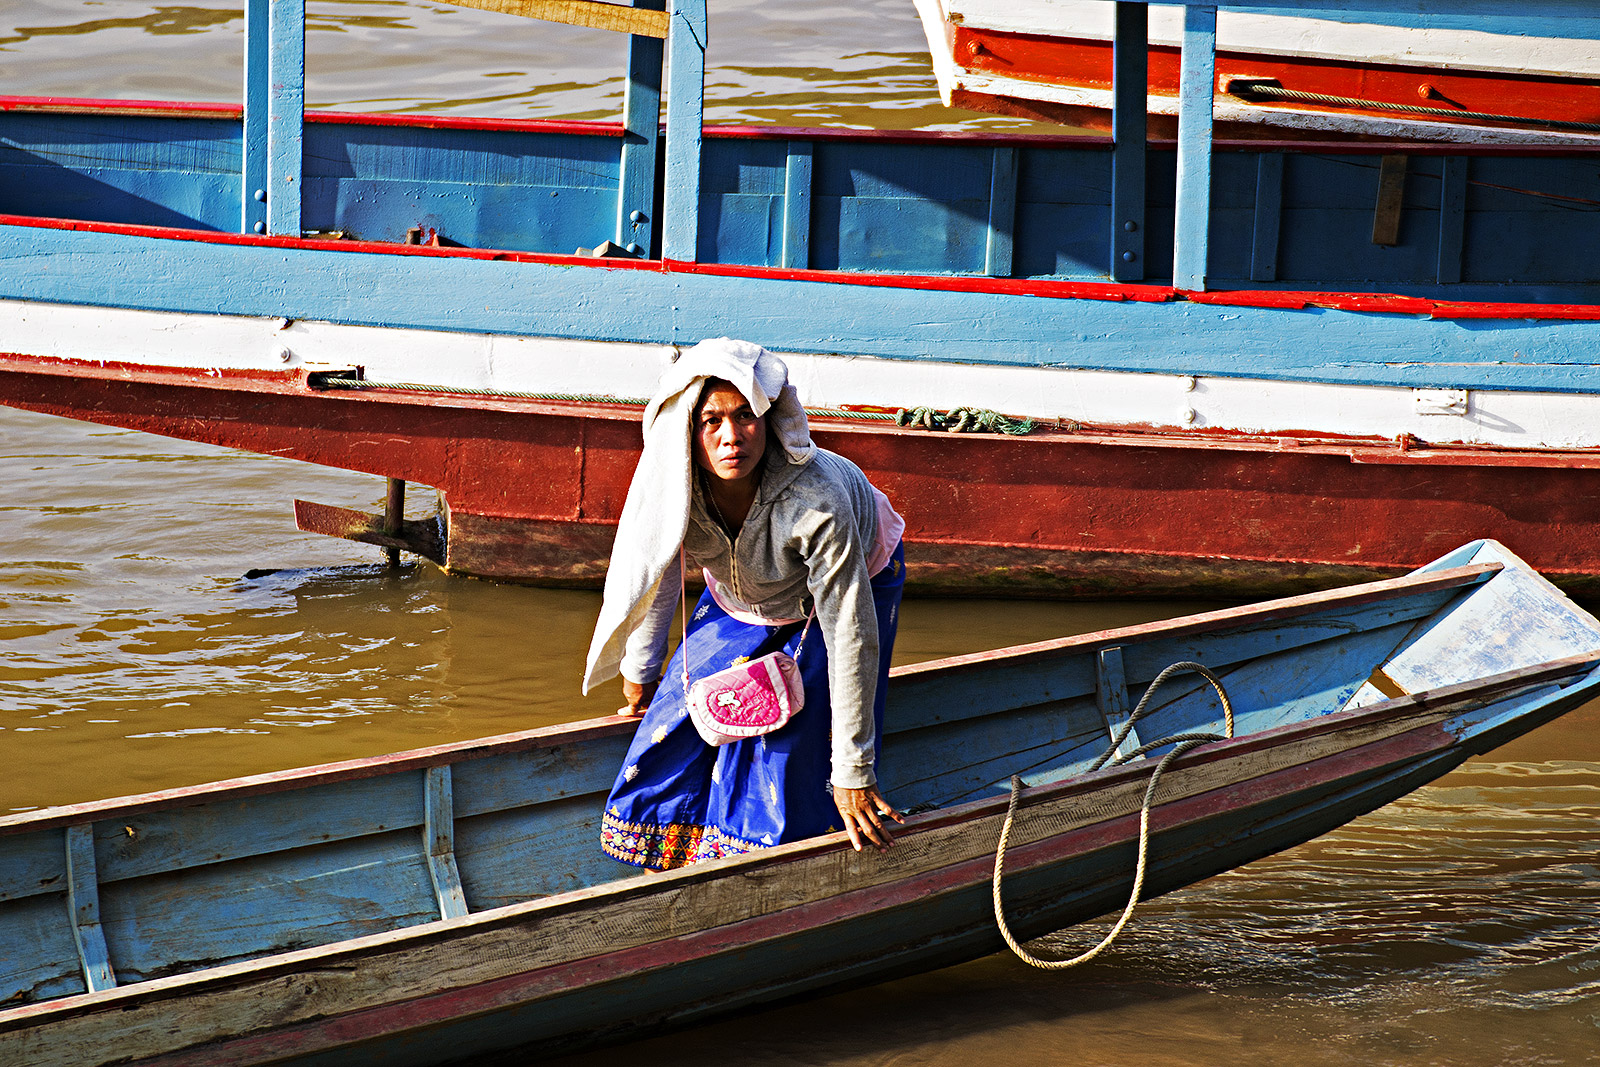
1086	63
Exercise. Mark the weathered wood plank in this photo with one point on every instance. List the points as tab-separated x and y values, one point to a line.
439	843
83	909
591	13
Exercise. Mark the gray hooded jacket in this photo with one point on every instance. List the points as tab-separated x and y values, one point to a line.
807	538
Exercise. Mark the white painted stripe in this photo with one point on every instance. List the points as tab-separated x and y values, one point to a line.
1108	399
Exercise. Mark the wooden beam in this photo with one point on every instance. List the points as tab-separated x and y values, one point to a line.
1002	212
641	22
686	74
1111	695
1391	199
1452	218
1130	86
1196	87
439	841
286	110
641	140
1268	217
83	904
796	253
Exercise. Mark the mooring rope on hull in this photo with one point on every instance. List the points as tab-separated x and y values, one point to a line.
1250	91
1185	742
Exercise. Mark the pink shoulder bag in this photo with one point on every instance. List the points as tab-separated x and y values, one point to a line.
748	699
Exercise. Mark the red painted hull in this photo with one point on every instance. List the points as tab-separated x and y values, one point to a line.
533	488
1085	63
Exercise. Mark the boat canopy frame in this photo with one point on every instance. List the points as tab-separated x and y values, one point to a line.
274	114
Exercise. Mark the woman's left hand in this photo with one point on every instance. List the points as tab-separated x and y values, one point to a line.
865	812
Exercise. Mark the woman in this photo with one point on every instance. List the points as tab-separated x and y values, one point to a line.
730	482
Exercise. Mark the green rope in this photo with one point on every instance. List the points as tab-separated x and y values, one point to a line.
958	420
962	420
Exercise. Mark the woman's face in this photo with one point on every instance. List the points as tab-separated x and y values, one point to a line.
729	439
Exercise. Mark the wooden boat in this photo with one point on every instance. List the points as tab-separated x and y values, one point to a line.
446	903
1252	368
1363	70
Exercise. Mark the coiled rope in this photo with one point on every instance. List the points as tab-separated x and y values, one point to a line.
962	420
1185	743
1278	92
957	420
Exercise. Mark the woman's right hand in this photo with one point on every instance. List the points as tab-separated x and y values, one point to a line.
638	695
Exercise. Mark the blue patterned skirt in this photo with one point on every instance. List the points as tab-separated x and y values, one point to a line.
678	800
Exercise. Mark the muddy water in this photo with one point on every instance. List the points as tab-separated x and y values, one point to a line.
1459	926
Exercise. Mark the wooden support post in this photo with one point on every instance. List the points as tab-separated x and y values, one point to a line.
83	907
1002	213
439	842
641	138
1452	218
686	74
1268	218
1130	89
394	516
253	179
1196	83
797	206
274	116
1391	200
1111	695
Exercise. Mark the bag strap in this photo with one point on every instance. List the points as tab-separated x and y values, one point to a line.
683	597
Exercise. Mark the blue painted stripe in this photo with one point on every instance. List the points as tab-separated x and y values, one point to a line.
642	305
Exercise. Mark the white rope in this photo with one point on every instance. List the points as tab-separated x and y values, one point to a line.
1185	742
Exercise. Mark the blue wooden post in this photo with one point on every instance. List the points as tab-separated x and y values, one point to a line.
641	121
686	84
998	246
83	904
253	211
1130	81
1452	218
1196	78
797	206
274	114
1268	217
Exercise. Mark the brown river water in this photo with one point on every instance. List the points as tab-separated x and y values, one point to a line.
1459	926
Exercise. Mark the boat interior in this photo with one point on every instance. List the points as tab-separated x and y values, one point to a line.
118	892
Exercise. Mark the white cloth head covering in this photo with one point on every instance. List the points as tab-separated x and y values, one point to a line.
656	513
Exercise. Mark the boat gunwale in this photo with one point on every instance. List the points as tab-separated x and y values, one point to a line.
606	726
89	106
